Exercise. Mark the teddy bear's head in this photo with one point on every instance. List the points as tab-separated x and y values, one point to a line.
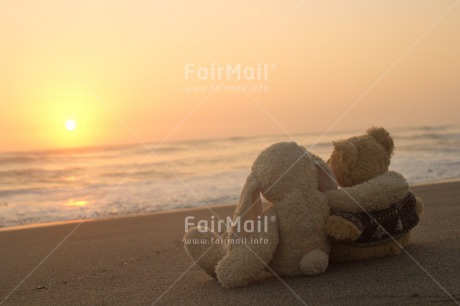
361	158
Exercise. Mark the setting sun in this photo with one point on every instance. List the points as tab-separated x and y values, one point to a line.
71	125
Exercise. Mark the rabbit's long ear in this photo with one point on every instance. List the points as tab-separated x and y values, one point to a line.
250	205
326	178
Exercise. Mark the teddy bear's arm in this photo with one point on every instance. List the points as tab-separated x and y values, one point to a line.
375	194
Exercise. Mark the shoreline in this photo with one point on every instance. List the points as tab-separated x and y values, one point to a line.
440	181
134	215
169	211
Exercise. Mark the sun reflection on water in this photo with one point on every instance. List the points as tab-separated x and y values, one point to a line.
76	203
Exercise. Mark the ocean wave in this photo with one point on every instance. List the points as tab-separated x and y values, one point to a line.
428	136
435	127
161	148
146	174
425	128
23	191
21	159
34	175
319	145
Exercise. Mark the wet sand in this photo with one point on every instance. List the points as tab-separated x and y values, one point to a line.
141	260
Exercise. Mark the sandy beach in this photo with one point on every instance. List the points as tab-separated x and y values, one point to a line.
141	260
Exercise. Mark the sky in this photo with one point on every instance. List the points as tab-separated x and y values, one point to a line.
146	71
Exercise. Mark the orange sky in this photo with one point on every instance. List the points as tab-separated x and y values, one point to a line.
118	68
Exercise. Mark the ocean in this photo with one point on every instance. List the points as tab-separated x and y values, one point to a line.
71	184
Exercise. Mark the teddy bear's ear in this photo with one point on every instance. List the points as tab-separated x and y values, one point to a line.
383	137
347	153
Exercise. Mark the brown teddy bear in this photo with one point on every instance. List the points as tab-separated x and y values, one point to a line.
367	235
